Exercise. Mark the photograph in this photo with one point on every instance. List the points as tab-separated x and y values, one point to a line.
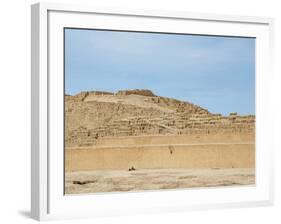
154	111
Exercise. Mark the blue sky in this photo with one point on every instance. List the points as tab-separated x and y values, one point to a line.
217	73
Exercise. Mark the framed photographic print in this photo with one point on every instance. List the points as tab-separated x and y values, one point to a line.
138	111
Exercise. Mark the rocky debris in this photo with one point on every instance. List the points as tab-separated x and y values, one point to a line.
132	169
83	182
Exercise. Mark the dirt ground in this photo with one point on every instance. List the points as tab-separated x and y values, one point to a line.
78	182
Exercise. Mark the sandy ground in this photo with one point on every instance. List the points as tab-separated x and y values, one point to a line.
155	179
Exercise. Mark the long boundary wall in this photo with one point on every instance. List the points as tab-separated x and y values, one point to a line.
142	153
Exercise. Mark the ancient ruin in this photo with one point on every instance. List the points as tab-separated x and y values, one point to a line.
134	140
93	115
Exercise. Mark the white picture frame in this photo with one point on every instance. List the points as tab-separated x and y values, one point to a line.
47	198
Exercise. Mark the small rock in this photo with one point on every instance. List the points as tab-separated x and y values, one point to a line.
132	169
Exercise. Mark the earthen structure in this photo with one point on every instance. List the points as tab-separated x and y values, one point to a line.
90	116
